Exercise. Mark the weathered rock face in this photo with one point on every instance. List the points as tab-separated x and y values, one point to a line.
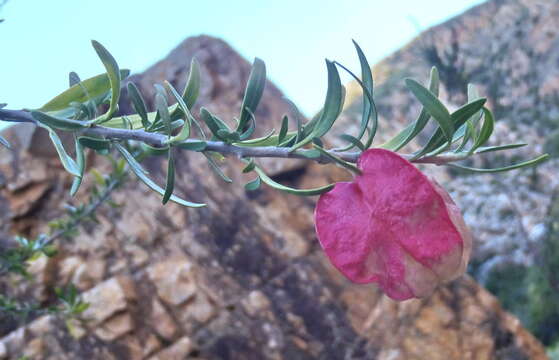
508	49
243	278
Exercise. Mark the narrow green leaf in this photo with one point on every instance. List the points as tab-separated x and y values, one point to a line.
332	107
162	109
467	135
188	118
486	129
250	166
498	148
192	145
95	143
170	185
138	103
412	130
5	142
317	141
213	122
68	163
73	78
80	162
437	141
155	151
302	192
532	162
228	136
141	174
353	141
369	107
351	167
177	124
82	109
433	106
267	140
192	89
113	73
290	140
58	123
250	129
283	129
96	87
253	185
308	153
217	170
253	93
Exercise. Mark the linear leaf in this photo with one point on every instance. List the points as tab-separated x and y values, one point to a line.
283	129
192	88
96	87
141	174
302	192
332	107
192	145
354	169
532	162
254	184
155	151
253	93
250	166
498	148
486	129
412	130
5	142
80	162
68	163
95	143
459	117
267	140
433	106
353	141
57	122
214	123
170	185
217	170
139	104
73	78
185	131
113	73
369	107
162	109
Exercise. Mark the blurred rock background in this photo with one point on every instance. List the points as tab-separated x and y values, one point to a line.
245	278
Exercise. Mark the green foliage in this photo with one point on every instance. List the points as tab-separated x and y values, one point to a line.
15	259
459	135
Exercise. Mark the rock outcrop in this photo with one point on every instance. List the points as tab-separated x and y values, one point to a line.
243	278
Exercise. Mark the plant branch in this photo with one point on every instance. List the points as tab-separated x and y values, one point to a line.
156	139
90	210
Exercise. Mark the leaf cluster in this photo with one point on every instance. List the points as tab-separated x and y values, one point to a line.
16	259
461	133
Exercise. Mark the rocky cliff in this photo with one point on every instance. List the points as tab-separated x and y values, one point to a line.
243	278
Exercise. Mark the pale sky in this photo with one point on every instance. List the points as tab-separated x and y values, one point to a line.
41	41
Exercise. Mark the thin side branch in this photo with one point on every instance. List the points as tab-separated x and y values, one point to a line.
90	210
156	139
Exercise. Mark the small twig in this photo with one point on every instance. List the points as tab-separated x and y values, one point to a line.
91	209
157	139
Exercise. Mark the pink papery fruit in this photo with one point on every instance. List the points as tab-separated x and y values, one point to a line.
393	226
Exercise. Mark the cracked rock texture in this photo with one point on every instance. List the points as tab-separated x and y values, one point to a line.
243	278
